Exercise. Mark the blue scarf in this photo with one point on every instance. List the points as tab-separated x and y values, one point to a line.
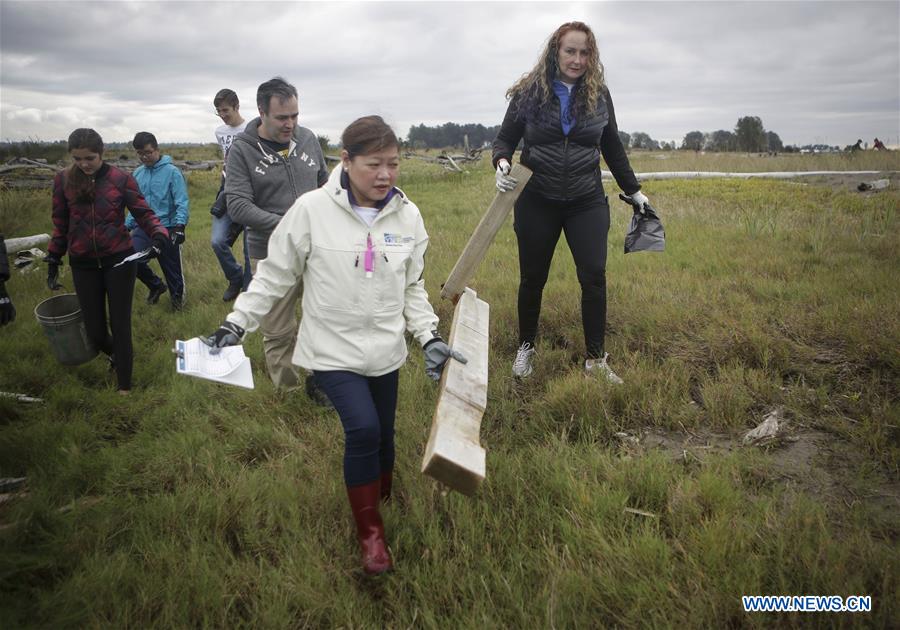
566	117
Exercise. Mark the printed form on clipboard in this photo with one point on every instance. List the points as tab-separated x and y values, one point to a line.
230	366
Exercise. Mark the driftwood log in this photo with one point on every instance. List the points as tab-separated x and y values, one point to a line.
718	174
125	163
6	168
449	161
15	245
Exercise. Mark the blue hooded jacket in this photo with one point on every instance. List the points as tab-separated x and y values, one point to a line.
165	190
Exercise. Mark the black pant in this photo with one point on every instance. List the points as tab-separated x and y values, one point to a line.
538	223
367	406
95	288
169	260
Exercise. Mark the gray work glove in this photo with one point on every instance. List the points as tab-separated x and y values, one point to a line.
228	334
437	353
638	200
505	183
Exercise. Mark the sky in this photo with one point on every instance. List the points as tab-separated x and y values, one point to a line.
814	72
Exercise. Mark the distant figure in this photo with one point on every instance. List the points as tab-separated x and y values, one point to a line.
879	145
223	228
7	310
165	190
857	146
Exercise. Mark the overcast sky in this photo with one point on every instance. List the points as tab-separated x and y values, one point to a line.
814	72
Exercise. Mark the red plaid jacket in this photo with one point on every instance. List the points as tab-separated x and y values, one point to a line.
97	229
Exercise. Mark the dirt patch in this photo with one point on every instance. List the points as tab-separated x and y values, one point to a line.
849	182
808	460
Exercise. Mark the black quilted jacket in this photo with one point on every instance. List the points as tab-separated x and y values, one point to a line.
566	167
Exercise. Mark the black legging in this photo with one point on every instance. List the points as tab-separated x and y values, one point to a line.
538	223
115	285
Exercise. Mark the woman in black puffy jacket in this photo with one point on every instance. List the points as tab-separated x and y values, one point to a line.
563	111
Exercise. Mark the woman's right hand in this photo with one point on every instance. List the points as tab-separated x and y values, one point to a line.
53	263
505	183
228	334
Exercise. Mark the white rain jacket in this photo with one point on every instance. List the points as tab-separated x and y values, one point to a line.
350	321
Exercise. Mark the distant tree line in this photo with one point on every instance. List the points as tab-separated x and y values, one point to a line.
450	135
34	150
748	135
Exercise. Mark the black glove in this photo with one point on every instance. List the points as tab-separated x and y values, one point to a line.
228	334
7	310
177	235
53	265
159	244
437	353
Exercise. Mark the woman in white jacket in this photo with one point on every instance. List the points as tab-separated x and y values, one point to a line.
358	243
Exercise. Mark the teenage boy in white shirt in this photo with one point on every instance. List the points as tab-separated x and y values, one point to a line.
223	228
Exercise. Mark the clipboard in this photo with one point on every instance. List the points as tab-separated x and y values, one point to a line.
230	366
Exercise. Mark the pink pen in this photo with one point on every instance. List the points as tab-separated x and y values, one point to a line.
369	260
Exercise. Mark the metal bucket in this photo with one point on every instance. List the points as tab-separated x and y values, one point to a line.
60	317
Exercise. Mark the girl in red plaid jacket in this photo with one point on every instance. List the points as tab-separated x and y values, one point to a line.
89	202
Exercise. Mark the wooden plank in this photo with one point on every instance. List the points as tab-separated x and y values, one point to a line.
483	235
469	335
454	455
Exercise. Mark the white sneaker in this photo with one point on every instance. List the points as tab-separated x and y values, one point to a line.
600	367
522	365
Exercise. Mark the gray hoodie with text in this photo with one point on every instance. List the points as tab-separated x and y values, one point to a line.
262	184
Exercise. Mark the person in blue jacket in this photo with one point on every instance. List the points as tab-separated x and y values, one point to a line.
165	190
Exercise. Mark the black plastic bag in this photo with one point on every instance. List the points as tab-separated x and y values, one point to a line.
646	233
219	208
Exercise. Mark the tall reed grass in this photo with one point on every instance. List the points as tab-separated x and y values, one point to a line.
193	504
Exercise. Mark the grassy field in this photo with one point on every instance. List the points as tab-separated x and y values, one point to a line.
190	504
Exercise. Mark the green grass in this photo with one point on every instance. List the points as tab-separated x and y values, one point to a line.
193	504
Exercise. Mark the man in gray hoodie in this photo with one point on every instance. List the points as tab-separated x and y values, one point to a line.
271	163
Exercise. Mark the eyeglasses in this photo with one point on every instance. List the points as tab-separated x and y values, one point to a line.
144	154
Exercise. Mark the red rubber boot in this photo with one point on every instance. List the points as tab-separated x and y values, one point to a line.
369	527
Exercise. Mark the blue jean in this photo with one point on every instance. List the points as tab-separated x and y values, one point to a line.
169	261
367	406
230	266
